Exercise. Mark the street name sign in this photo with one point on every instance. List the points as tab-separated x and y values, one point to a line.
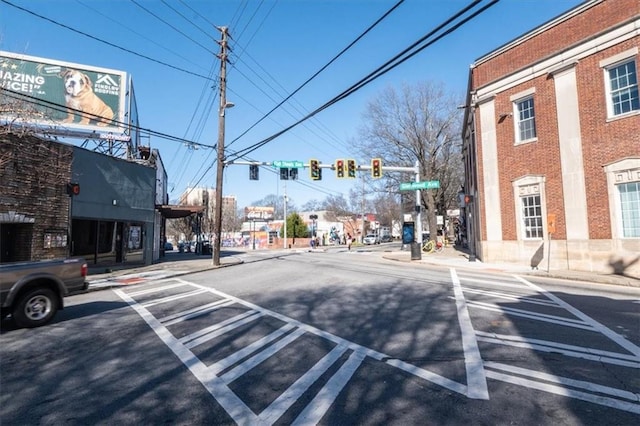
413	186
288	164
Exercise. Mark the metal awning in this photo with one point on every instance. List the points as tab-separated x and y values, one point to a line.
171	211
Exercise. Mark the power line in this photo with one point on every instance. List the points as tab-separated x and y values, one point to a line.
106	42
383	69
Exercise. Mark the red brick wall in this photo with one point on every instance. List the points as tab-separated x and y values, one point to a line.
594	20
602	142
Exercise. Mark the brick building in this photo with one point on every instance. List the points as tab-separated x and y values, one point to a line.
552	144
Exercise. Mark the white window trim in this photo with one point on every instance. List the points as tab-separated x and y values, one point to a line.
529	185
612	62
516	118
624	171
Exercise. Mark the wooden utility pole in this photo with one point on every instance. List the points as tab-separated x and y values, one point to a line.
217	224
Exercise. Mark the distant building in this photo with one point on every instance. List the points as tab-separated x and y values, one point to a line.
552	144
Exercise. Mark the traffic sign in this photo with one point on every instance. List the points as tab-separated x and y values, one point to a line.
427	184
288	164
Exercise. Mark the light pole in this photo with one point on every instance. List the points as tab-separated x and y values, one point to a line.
217	224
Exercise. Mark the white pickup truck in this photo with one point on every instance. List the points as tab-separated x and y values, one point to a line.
32	292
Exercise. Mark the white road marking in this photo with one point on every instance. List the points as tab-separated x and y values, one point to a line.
580	384
569	350
278	407
229	401
172	298
195	312
559	390
587	319
313	413
204	332
248	350
554	319
513	297
260	357
476	379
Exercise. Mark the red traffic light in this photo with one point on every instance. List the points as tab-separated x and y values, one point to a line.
73	189
376	168
340	168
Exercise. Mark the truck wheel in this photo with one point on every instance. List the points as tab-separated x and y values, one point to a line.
35	308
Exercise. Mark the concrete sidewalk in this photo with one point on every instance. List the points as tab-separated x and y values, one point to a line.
176	264
458	258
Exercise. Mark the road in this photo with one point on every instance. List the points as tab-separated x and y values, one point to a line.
330	338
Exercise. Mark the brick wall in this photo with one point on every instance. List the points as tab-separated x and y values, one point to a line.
33	177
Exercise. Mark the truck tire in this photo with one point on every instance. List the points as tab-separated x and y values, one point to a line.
36	307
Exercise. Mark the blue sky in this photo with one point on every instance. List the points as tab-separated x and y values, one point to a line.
277	45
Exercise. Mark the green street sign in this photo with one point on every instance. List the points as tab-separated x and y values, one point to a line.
288	164
413	186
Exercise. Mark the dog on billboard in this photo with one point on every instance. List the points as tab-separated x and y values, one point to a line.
79	95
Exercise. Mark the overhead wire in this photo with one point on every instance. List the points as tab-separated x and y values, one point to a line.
383	69
140	55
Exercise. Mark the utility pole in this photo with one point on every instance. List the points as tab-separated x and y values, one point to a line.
217	224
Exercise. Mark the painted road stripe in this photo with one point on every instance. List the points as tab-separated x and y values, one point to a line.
533	315
286	399
405	366
261	357
559	390
186	340
172	298
248	350
223	330
595	324
228	400
476	380
580	384
317	408
508	296
197	311
155	289
572	350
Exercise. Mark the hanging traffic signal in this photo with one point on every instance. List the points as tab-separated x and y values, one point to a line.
73	189
351	168
340	168
376	168
284	173
254	172
293	174
315	170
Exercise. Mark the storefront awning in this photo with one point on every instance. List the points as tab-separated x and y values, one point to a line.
170	211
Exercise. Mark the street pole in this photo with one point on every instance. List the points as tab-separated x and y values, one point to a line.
418	208
217	224
285	215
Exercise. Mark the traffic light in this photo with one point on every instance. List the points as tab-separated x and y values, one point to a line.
340	168
315	170
73	189
293	173
376	168
284	173
351	168
253	172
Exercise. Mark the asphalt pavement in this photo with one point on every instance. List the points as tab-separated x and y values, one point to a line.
175	263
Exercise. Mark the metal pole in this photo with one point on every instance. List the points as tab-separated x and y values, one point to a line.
418	208
285	215
217	224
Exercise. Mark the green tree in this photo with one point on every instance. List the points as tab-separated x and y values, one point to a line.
296	228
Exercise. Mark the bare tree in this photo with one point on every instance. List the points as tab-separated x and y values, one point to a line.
416	123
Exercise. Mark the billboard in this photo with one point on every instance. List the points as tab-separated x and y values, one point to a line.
258	213
62	96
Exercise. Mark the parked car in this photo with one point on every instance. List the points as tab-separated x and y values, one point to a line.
371	239
386	238
168	246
